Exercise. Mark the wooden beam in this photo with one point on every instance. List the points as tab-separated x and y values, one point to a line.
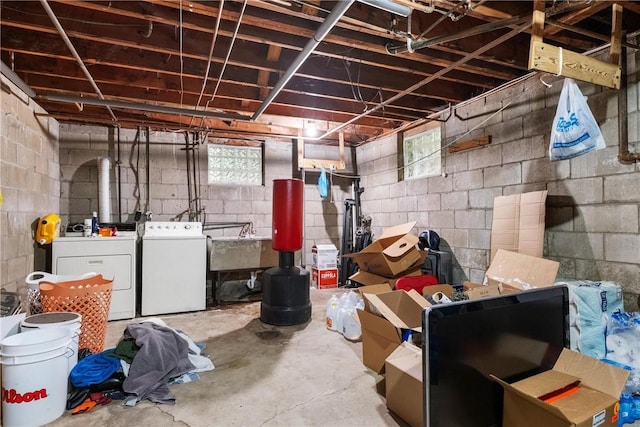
555	60
273	55
469	144
537	28
304	163
633	6
564	62
579	15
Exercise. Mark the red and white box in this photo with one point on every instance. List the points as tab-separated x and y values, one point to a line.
325	278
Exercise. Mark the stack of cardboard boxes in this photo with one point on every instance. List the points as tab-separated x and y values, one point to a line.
394	255
389	315
324	271
392	325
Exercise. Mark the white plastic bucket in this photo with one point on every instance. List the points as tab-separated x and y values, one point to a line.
56	319
34	376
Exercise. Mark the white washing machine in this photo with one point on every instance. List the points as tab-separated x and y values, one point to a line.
174	268
113	257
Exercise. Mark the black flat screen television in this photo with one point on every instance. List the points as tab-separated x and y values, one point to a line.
511	336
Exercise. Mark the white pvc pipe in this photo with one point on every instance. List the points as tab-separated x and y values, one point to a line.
104	193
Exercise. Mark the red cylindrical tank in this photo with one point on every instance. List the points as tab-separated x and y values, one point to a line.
287	215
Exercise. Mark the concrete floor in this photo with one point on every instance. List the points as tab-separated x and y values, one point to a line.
264	376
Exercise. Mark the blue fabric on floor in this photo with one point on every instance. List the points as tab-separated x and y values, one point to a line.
93	369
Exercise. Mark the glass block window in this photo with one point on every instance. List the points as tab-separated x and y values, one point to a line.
422	154
234	165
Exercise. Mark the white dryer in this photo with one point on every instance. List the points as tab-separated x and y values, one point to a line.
113	257
174	268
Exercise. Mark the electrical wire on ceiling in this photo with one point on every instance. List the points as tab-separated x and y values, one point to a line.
355	87
213	44
226	59
429	79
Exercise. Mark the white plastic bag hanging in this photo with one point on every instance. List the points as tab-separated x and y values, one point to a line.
575	130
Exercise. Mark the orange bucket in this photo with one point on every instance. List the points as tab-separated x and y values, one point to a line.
90	297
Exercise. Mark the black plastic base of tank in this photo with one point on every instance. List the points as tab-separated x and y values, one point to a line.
285	296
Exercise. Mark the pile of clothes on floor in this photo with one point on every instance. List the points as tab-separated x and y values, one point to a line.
149	357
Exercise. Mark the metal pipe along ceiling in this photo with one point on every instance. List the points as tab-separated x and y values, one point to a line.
324	29
74	52
144	107
389	6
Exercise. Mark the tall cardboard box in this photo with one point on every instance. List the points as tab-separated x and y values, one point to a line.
518	223
579	391
403	382
393	253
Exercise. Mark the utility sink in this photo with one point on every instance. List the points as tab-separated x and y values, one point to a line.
235	253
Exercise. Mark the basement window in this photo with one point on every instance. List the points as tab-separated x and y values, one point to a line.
421	152
229	164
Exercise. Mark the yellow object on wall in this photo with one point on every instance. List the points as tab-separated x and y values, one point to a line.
48	229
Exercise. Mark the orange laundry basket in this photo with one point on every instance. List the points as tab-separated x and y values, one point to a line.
90	297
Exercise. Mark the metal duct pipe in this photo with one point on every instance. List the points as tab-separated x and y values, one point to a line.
324	29
74	52
119	177
104	189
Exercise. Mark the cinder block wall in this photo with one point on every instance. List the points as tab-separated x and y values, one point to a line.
166	196
593	205
29	181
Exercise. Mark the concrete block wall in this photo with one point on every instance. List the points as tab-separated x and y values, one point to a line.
168	197
593	205
29	182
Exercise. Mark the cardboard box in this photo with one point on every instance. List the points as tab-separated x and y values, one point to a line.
478	290
381	334
403	383
325	278
324	256
513	272
373	289
393	253
520	271
593	401
518	223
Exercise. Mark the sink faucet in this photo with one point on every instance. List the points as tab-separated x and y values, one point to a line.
247	230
